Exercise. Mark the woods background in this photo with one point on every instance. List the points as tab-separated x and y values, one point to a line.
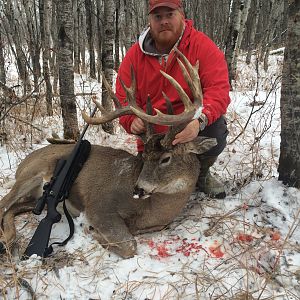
47	41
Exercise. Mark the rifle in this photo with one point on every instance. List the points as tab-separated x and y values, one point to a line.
56	191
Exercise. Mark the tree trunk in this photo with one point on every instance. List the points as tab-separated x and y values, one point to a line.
76	12
99	38
233	32
251	45
66	71
90	36
108	57
2	61
53	57
276	12
128	24
117	36
82	38
33	40
289	161
244	17
44	9
13	34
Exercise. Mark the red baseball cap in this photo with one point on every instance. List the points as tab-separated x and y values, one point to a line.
174	4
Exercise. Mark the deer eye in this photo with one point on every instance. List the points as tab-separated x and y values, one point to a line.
165	159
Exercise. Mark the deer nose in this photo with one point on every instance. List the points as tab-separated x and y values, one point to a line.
138	192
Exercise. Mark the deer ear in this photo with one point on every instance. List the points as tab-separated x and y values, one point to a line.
200	144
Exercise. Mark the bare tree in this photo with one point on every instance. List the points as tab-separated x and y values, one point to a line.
107	56
66	71
82	39
289	162
117	35
238	17
44	11
127	32
244	17
13	35
276	10
2	61
31	25
76	36
90	28
99	36
256	8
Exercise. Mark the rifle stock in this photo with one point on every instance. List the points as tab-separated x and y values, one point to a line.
39	243
57	190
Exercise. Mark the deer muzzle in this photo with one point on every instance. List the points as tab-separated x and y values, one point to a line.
140	193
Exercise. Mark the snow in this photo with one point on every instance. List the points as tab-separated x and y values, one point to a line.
242	247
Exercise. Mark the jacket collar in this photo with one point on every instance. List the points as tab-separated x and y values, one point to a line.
147	45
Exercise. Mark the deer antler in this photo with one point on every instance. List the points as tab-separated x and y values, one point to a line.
191	110
120	110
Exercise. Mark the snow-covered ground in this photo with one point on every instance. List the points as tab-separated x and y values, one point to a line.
242	247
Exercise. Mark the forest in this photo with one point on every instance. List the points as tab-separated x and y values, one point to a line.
32	39
53	56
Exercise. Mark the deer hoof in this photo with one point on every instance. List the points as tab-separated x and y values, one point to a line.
127	250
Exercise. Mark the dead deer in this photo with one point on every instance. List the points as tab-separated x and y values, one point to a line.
121	194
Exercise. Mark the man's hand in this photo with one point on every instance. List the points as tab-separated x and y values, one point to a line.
189	133
137	126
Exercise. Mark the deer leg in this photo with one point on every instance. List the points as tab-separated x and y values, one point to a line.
27	188
113	234
9	228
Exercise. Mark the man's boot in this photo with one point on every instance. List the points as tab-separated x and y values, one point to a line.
207	183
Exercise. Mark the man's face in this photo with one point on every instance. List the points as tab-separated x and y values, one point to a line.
166	26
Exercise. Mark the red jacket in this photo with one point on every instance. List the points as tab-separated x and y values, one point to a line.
195	46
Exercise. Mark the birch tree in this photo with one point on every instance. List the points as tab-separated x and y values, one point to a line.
233	31
276	10
66	71
31	27
242	26
108	56
238	17
13	35
45	13
117	36
76	36
127	31
2	61
90	28
82	37
99	37
289	161
254	22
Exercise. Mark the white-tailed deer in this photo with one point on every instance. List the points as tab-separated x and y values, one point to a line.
121	194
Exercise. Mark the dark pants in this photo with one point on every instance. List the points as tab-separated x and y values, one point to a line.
217	130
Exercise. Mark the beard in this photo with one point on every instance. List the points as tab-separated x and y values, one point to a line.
166	36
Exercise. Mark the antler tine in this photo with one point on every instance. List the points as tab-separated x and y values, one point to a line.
191	76
120	110
107	117
191	110
188	105
170	110
149	126
130	91
110	91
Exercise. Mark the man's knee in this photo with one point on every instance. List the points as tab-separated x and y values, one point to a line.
217	130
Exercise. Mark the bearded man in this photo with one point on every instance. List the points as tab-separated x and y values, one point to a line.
154	52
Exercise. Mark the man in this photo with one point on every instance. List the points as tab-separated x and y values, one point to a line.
154	52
